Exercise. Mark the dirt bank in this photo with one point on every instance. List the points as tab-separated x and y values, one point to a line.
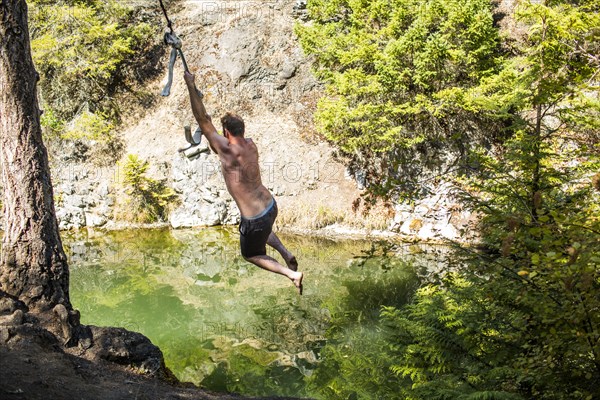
34	365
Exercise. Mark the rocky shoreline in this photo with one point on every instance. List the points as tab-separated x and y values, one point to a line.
84	201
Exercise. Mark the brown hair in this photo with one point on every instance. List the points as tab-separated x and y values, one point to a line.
233	123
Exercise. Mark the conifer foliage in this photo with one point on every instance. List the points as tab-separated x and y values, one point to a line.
517	316
88	53
394	70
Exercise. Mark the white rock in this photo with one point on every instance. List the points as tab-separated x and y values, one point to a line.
92	219
426	232
103	190
75	201
406	227
70	217
179	219
400	217
421	210
448	231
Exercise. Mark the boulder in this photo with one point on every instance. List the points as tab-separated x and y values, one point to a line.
126	348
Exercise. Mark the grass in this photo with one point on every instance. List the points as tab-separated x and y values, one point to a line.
306	216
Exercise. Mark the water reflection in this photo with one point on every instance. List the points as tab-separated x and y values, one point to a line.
223	323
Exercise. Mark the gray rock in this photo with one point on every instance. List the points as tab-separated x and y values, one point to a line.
5	334
70	217
8	305
288	70
238	54
78	249
16	318
361	179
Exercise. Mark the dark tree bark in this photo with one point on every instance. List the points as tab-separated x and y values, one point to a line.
33	267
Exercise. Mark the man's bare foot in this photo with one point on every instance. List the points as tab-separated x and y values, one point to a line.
298	281
292	263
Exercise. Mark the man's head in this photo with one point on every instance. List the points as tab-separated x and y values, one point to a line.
233	124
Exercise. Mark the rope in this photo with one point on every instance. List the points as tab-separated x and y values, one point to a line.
172	40
164	10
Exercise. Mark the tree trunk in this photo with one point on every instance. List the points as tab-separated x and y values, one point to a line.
33	266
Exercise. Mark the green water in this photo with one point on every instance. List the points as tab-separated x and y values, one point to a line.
222	323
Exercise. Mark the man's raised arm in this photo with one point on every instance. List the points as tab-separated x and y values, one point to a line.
217	142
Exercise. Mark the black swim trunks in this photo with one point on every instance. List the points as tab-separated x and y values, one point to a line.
255	231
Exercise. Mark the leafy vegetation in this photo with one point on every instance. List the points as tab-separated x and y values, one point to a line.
393	71
517	316
149	198
88	53
356	362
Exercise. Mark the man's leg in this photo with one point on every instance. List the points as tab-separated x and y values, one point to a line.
270	264
289	258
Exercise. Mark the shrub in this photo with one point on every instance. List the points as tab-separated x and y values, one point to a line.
148	199
88	53
393	72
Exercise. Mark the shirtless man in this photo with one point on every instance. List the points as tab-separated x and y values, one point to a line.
241	171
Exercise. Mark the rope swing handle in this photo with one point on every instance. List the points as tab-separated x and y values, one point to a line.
171	39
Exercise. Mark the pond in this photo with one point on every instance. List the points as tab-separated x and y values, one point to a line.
221	322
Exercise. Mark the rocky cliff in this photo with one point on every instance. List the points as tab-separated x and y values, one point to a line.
247	60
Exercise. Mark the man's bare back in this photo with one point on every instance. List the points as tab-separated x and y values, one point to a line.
241	171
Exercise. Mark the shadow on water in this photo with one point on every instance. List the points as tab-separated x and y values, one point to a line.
366	297
223	323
